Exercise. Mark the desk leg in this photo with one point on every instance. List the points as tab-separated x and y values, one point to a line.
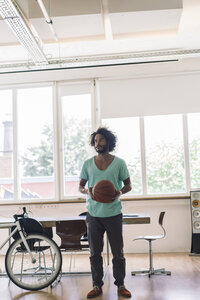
107	250
107	258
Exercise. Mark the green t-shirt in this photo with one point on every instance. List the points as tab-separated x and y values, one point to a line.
116	172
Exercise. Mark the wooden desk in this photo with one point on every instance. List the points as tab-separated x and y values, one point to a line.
136	219
51	221
127	219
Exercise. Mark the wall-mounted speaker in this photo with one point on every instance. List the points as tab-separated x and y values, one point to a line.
195	219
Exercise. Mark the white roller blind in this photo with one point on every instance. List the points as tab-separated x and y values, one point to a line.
76	88
150	96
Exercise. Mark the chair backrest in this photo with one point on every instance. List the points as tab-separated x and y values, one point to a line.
83	213
160	221
84	238
70	232
161	218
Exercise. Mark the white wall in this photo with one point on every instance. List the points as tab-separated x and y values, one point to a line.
176	222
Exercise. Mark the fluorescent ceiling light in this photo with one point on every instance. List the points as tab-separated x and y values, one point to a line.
17	23
90	61
166	56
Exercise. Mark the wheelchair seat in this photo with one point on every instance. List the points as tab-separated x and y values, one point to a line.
30	226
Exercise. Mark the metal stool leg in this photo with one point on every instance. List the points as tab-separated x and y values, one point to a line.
151	270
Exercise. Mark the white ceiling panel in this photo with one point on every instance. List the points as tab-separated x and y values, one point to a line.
136	22
116	6
62	7
82	28
6	35
71	26
13	54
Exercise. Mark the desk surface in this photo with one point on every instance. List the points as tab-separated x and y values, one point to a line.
51	221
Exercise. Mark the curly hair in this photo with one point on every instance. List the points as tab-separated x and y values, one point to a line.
108	135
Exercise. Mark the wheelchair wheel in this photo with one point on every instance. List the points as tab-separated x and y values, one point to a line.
38	273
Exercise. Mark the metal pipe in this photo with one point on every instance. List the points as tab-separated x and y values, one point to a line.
47	18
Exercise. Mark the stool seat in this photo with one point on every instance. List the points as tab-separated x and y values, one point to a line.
148	237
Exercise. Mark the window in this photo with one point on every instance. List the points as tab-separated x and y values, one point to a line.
128	147
194	148
35	143
6	145
28	169
76	129
164	162
164	154
44	141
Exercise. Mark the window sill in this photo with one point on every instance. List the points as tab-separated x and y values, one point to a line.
82	200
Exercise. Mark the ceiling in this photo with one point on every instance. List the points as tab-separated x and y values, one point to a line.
99	32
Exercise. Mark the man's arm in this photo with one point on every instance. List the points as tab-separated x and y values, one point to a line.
82	188
126	188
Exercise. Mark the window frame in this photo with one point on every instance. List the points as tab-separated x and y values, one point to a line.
58	148
16	175
60	166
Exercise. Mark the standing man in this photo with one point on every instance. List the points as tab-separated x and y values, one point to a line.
105	217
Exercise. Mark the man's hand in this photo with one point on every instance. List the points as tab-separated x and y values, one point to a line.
118	194
90	192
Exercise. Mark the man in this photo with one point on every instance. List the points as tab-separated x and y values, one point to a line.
105	217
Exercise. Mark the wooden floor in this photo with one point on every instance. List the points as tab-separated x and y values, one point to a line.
183	284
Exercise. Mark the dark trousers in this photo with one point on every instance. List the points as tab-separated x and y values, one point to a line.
96	229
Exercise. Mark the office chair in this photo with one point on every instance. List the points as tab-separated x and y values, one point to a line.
151	270
84	238
71	233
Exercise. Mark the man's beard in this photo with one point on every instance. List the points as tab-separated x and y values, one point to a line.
103	149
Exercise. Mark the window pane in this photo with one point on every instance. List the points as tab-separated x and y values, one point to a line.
77	126
165	154
128	147
6	145
35	119
194	147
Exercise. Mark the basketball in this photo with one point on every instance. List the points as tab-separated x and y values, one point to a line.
104	191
